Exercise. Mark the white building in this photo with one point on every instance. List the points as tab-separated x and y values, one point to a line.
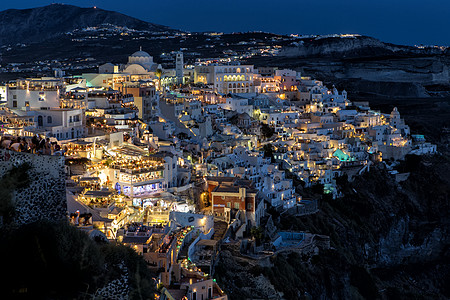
40	98
61	123
179	66
238	104
140	66
226	78
3	93
36	93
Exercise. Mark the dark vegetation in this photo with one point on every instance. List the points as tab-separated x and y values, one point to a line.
48	260
267	131
268	152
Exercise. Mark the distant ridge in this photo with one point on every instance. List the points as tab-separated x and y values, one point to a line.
41	23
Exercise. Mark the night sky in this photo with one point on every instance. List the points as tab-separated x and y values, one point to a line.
396	21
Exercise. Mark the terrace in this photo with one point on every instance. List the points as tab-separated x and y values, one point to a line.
36	85
139	167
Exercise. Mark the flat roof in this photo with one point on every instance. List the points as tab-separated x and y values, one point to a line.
135	239
207	243
126	150
89	178
97	193
80	142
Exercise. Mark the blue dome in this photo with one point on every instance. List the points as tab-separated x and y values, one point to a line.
140	53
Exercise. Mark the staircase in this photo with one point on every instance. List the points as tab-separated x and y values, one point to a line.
220	227
168	112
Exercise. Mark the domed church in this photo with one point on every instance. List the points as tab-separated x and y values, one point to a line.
140	66
140	62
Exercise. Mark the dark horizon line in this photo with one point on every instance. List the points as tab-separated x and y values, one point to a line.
230	32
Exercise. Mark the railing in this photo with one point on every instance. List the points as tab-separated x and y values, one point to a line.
76	123
141	180
138	171
40	89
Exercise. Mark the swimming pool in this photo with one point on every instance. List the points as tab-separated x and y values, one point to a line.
288	239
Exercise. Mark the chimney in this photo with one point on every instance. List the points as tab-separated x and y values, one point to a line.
242	193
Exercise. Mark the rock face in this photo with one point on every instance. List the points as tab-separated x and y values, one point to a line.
44	198
397	246
358	46
384	88
117	288
41	23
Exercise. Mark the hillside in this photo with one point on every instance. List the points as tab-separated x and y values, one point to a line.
54	260
386	243
75	39
41	23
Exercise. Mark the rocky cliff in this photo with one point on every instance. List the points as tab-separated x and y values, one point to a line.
353	46
33	187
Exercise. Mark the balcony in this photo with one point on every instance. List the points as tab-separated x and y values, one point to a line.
75	124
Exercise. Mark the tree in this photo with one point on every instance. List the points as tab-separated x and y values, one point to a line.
182	136
257	234
317	188
158	74
267	131
63	262
268	151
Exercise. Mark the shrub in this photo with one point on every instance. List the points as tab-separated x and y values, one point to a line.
363	281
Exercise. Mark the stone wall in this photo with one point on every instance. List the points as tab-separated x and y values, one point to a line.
397	153
45	196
